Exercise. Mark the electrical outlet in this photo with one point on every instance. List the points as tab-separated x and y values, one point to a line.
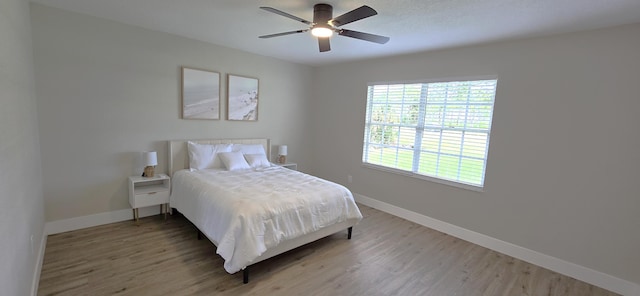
349	179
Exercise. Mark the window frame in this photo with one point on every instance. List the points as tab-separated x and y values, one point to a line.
458	184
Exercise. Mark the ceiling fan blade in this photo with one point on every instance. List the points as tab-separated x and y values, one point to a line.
282	13
364	36
352	16
324	44
283	33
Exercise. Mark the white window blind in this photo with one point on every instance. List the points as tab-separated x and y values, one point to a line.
436	129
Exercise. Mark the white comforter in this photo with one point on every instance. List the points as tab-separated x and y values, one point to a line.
246	212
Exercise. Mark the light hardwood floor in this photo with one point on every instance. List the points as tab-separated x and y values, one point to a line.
387	256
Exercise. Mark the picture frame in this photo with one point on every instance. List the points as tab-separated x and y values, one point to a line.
200	94
242	98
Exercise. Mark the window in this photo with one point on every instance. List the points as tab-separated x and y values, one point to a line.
434	129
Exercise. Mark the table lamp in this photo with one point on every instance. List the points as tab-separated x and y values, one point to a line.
150	159
282	154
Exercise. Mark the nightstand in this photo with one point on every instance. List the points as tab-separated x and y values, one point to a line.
149	191
289	165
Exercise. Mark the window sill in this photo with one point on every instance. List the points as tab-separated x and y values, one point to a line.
423	177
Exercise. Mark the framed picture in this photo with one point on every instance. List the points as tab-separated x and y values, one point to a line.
242	93
200	94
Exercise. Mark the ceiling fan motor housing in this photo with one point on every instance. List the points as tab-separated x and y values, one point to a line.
322	13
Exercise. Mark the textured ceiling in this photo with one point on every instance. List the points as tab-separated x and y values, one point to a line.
412	25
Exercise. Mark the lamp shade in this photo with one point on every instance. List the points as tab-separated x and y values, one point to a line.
282	150
150	158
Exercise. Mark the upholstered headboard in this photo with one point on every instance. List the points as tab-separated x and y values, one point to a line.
179	156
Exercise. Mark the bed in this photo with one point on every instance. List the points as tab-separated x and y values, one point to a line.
253	213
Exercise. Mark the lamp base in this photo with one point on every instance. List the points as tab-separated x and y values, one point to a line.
148	171
282	159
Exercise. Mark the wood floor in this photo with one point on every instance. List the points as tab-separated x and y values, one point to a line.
387	256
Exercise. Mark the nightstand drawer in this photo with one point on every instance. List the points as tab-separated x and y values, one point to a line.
151	199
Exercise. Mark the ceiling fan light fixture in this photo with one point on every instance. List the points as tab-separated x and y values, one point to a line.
321	32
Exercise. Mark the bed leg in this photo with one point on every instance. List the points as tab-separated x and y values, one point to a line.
245	275
199	234
349	232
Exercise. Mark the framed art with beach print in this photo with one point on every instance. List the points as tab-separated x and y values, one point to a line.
242	98
200	94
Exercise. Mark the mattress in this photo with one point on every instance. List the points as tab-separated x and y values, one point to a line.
246	212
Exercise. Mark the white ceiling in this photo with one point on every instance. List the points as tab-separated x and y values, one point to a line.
412	25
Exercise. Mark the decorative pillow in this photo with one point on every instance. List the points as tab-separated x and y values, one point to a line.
257	160
205	156
233	161
249	148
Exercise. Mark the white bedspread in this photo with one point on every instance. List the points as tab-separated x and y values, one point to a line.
246	212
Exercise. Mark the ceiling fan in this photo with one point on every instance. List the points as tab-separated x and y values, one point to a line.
324	24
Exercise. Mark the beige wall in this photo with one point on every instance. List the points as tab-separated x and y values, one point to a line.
564	154
107	91
21	213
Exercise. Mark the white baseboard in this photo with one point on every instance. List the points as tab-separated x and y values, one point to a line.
579	272
76	223
39	261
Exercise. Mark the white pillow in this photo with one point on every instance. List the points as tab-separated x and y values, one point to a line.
204	156
234	161
249	148
257	160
